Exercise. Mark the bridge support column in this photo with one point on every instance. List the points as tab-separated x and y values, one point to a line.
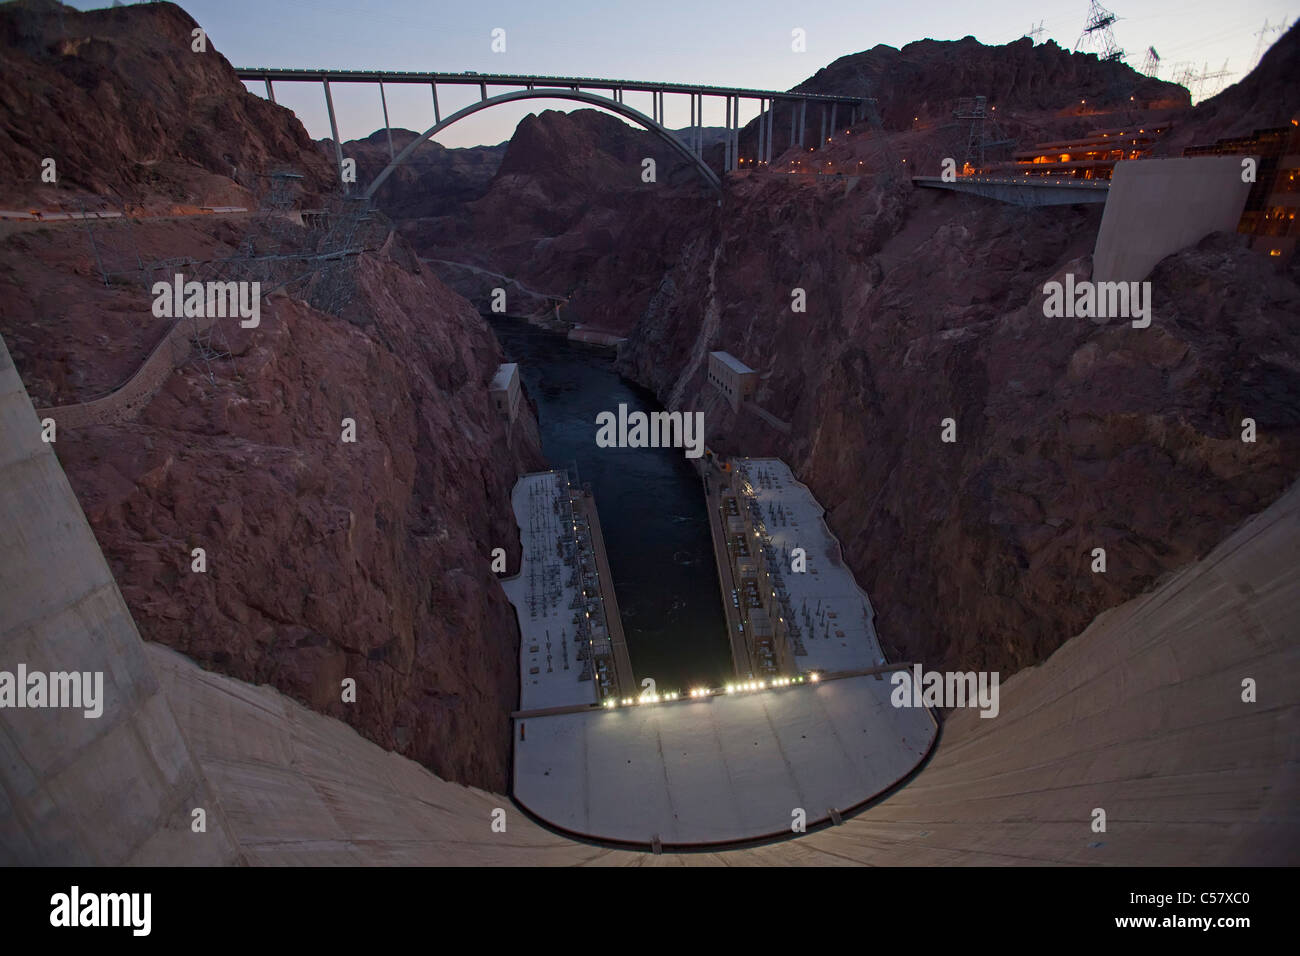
834	107
691	134
735	132
334	132
270	93
699	124
737	129
437	116
822	142
735	136
482	92
383	101
803	121
762	118
771	129
766	120
726	143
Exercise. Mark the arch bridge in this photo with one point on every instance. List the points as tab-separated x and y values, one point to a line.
605	93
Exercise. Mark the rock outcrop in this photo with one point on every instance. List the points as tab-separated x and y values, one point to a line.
565	189
433	182
132	113
1070	435
323	559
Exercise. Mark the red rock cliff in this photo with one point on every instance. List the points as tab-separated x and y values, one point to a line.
325	559
923	306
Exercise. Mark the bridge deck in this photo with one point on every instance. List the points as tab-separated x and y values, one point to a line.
261	73
1024	191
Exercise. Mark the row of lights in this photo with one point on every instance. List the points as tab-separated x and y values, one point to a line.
766	685
643	699
698	692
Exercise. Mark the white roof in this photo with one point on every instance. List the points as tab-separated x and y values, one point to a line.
548	635
505	372
719	768
843	631
733	363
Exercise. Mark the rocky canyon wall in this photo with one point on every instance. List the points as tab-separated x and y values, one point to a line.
324	559
1071	435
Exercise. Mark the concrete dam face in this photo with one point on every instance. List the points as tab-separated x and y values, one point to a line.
1175	713
904	472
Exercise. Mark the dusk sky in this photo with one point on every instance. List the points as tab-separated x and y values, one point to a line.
736	44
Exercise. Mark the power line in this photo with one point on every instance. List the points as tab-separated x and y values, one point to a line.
1098	34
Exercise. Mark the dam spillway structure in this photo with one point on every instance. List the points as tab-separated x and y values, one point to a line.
604	758
991	793
150	716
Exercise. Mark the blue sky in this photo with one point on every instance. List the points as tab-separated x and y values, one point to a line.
691	41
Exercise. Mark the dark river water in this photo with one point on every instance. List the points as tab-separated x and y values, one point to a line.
651	506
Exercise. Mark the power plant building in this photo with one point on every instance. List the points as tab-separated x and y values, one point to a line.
505	390
1269	217
732	377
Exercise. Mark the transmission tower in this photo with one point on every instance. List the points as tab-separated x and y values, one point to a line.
1151	63
1098	35
1036	33
1208	84
352	226
983	134
1264	33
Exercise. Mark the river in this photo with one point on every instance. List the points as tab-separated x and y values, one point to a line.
651	507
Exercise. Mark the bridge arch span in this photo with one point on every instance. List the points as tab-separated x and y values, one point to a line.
552	93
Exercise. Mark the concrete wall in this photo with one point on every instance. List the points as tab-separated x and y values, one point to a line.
1158	206
1140	715
114	789
125	403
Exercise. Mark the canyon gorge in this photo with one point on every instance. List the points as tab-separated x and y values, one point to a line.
370	560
